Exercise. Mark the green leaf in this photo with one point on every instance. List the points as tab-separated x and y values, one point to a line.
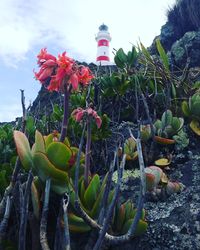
35	200
196	85
23	149
166	118
39	145
140	229
46	169
163	55
146	53
185	108
120	217
92	192
118	62
96	208
121	55
77	224
59	154
30	125
173	89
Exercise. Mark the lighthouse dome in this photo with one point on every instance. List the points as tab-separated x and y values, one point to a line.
103	27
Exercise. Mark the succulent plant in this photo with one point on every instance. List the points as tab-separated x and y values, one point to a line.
48	158
90	198
191	109
167	127
156	181
123	218
130	149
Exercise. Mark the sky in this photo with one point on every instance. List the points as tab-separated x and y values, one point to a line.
26	26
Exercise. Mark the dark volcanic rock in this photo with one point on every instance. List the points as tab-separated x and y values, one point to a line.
174	223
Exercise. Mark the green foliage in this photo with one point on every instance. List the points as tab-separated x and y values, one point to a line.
169	125
124	60
124	215
130	149
191	109
90	199
182	140
23	149
163	55
48	158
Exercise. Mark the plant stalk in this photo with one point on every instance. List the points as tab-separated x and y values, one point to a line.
65	115
87	153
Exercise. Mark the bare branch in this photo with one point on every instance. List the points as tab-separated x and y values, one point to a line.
24	213
43	224
66	225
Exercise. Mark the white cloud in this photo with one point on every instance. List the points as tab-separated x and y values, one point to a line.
72	25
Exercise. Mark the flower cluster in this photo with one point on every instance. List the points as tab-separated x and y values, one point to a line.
62	71
79	113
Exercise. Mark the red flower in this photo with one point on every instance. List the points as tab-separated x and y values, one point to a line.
79	113
61	71
85	75
43	56
67	69
48	64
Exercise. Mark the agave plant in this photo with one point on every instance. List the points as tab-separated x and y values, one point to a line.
191	109
167	127
48	158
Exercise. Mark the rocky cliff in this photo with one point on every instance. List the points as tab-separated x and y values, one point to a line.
180	36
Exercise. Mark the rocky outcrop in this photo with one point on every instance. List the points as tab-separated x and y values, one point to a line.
187	50
180	35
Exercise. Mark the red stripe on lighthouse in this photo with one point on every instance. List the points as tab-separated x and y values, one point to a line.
103	58
103	42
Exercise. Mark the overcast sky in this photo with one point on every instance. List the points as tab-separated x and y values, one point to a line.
26	26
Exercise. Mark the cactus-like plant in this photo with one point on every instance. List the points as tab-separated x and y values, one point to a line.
167	127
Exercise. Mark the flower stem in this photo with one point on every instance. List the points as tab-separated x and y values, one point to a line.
65	116
87	153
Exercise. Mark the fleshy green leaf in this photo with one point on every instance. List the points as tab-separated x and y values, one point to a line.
23	149
59	154
92	191
140	229
46	169
39	145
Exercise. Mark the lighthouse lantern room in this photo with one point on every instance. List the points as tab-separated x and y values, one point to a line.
103	38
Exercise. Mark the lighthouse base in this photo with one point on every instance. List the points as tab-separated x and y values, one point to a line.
104	63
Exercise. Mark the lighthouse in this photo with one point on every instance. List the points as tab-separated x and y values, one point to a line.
103	38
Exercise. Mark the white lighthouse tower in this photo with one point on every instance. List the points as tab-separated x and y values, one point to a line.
103	38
